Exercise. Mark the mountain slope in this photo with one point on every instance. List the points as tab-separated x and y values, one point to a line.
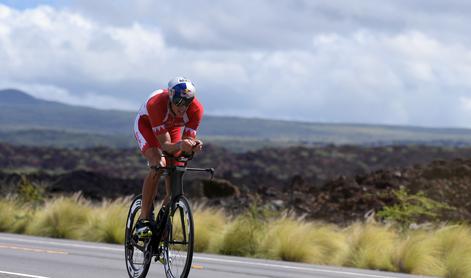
13	96
20	113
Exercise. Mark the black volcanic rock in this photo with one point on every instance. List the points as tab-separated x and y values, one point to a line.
94	185
219	188
336	184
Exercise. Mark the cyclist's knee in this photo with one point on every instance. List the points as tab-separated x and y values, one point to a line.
154	173
153	156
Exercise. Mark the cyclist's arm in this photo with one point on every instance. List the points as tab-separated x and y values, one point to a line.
195	113
167	145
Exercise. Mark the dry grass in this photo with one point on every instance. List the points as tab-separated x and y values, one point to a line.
454	242
289	240
241	237
14	216
418	253
331	244
209	224
372	246
61	218
444	251
106	223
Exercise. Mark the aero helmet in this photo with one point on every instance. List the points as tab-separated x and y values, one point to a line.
181	91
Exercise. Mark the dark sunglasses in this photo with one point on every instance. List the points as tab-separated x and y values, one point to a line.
181	101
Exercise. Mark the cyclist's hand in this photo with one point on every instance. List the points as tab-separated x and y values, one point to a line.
163	162
187	145
199	146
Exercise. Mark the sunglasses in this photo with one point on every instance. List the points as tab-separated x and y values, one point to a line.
181	101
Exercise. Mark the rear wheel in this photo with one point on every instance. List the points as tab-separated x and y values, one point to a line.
178	240
138	254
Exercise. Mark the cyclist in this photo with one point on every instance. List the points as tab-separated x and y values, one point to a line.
157	128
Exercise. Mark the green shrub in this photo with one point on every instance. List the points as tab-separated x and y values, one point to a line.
30	193
412	208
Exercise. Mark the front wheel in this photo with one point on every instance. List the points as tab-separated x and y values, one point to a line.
178	240
138	253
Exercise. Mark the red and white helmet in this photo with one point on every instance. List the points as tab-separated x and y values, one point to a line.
181	91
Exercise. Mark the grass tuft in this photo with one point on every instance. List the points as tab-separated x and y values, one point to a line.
241	237
15	216
208	224
331	244
420	254
444	252
107	222
371	246
455	245
290	240
61	218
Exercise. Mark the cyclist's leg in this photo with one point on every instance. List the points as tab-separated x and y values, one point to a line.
151	181
149	147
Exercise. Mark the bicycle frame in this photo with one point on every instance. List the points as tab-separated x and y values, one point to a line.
176	183
176	178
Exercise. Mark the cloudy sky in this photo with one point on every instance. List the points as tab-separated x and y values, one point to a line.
395	62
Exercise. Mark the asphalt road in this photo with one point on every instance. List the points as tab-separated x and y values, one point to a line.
35	257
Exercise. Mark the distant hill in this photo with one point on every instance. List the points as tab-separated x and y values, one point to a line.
20	111
13	96
31	121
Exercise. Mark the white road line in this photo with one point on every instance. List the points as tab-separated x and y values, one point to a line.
279	266
84	246
21	274
292	267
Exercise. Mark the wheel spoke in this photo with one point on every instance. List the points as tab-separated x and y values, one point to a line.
179	243
137	254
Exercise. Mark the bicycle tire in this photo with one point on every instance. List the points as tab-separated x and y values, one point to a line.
132	266
178	242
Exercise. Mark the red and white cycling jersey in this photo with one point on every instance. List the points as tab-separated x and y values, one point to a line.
155	118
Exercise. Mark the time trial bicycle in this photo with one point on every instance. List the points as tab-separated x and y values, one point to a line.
172	238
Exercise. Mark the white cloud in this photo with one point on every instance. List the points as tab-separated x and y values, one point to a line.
466	103
45	43
325	62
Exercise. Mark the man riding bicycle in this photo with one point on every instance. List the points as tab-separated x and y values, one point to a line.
157	128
